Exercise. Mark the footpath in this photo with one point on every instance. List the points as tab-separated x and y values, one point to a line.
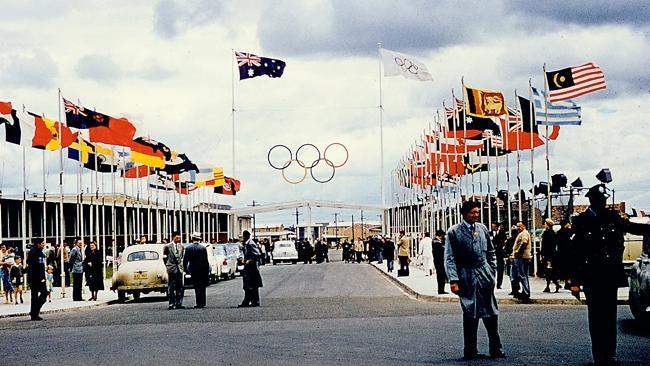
425	288
58	303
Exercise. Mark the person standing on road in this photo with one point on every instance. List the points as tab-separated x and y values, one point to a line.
521	256
403	253
251	278
597	266
470	261
173	255
389	253
425	250
347	248
17	279
94	270
438	244
564	236
358	250
77	269
498	236
549	253
195	262
36	278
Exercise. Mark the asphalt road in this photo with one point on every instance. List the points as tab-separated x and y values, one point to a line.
330	314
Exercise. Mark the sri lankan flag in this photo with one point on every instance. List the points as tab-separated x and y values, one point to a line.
485	103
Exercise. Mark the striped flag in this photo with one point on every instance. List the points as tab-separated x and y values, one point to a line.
573	82
561	113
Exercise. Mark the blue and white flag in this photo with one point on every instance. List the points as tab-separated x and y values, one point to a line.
565	112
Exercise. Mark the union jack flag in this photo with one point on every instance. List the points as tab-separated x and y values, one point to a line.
247	59
74	109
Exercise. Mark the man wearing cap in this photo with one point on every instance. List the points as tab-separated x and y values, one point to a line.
251	278
195	262
549	252
470	261
597	266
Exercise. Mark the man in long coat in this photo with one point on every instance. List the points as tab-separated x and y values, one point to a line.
195	262
252	280
470	262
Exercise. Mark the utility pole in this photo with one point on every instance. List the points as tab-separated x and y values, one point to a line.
363	235
353	228
254	233
336	228
296	229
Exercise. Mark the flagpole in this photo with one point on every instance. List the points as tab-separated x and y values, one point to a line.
532	160
519	198
61	219
232	109
23	209
549	203
489	187
126	228
44	199
113	217
381	137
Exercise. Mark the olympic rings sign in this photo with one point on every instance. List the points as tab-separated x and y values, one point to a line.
307	167
406	65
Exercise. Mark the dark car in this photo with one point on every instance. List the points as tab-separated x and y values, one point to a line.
640	285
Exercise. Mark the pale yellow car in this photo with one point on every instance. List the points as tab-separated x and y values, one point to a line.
140	271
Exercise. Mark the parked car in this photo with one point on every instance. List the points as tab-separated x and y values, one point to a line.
284	251
235	250
141	270
639	281
227	262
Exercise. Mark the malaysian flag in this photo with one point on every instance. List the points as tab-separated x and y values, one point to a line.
251	66
565	112
573	82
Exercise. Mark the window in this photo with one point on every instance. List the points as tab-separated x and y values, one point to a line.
284	245
142	256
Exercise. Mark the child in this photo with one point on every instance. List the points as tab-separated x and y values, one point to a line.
7	263
49	278
17	279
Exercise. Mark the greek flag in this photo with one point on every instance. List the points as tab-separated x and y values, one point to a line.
565	112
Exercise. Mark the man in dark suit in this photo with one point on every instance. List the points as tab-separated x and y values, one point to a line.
195	262
173	254
36	278
252	280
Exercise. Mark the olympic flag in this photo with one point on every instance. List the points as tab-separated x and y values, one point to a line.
396	63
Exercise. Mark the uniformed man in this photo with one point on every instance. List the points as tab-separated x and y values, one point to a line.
598	267
470	262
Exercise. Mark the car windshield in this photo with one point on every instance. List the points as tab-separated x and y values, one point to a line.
284	245
142	256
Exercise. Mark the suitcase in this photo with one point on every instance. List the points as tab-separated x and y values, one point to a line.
402	273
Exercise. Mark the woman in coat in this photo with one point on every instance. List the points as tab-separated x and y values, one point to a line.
93	268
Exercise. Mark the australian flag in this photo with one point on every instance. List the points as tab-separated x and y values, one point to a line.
251	66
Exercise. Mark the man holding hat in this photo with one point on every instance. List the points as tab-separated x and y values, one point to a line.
251	278
598	267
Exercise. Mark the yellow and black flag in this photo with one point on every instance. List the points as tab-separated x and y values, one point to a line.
485	103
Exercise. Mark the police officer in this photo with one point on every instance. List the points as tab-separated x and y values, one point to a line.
36	278
598	268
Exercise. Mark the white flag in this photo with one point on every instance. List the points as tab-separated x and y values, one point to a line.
396	63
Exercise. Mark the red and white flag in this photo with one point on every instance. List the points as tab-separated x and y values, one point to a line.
573	82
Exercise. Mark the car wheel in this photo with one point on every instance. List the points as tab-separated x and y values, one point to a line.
121	296
136	295
636	306
275	263
294	262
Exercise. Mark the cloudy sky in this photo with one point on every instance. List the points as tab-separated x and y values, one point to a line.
166	65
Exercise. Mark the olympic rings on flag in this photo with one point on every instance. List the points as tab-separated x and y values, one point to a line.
406	65
301	162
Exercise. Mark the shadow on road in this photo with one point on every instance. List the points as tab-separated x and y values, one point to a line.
634	327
